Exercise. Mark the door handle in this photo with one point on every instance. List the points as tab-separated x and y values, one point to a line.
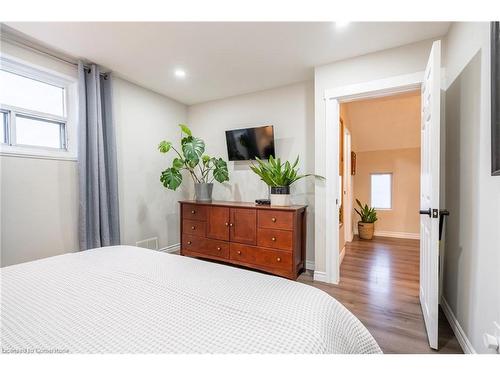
433	213
426	212
442	214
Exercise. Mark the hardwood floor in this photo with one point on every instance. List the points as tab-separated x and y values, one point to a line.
379	283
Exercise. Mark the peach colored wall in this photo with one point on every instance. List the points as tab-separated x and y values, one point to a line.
404	164
341	238
390	122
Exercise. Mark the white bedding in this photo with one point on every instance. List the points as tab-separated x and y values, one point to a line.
125	299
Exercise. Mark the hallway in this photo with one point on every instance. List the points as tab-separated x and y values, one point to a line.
379	283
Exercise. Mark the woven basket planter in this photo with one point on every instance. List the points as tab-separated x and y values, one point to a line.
366	230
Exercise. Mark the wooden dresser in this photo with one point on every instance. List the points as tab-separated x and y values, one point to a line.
268	238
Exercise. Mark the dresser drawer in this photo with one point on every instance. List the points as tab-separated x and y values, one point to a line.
216	248
275	238
275	219
194	212
197	246
192	243
264	258
194	228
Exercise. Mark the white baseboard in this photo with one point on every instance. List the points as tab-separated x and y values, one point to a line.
462	338
411	236
309	265
320	276
384	233
342	255
171	249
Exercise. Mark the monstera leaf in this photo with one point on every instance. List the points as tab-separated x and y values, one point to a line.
192	148
177	163
206	159
164	146
220	170
171	178
186	130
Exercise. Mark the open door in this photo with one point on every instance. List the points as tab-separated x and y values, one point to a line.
429	194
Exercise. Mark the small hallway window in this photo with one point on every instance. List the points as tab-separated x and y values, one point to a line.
381	190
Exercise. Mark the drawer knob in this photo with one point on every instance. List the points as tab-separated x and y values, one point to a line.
189	242
193	211
231	224
218	248
273	220
273	239
239	252
278	259
193	227
226	224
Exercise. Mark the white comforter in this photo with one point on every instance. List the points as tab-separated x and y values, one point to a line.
125	299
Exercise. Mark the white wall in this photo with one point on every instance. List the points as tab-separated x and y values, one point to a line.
39	197
290	110
39	208
142	119
397	61
472	246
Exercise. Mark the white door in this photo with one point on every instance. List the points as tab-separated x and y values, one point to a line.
429	194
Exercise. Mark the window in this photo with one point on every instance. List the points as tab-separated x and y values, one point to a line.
3	126
37	111
381	190
33	131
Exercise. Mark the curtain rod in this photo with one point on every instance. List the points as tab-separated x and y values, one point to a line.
44	51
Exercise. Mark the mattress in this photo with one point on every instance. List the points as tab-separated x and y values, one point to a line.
124	299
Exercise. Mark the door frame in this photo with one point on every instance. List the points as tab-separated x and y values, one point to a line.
347	182
328	148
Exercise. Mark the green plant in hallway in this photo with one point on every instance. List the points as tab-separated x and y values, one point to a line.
279	176
191	157
368	216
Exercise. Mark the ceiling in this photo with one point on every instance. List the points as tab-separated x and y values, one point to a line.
386	123
221	59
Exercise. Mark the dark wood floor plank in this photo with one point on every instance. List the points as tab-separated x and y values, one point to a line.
379	283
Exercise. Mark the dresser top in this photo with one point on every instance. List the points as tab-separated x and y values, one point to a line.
246	205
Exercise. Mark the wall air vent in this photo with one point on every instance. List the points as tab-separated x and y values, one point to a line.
148	243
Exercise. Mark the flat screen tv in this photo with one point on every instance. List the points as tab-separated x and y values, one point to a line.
249	143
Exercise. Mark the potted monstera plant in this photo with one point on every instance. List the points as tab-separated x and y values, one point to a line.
279	176
366	226
191	157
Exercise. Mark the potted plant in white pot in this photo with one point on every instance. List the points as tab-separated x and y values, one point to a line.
279	177
202	168
366	226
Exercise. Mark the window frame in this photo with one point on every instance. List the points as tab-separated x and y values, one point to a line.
391	190
68	120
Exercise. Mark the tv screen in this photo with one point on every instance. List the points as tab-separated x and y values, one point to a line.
247	144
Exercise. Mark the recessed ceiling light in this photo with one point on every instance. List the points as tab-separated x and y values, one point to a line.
179	73
341	24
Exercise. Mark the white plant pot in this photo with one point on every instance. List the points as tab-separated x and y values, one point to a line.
280	200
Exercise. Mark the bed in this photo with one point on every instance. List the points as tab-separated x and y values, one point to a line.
124	299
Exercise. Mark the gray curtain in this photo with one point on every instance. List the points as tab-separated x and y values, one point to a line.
99	217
